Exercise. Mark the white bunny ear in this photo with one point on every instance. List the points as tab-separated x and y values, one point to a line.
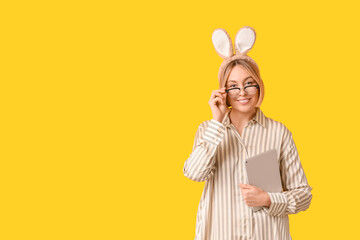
222	43
244	40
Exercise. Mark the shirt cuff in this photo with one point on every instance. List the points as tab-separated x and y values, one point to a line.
214	132
278	204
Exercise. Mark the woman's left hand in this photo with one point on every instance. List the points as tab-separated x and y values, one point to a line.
254	196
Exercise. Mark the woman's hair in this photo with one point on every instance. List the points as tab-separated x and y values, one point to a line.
250	67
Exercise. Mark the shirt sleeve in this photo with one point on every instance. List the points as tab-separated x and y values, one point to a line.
297	195
200	165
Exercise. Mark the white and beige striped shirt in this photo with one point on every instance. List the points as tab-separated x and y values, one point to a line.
218	157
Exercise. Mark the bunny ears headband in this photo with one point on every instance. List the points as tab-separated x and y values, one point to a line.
244	41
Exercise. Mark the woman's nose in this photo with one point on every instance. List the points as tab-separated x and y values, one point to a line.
242	91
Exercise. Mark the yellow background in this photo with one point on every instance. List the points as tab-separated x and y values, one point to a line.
100	102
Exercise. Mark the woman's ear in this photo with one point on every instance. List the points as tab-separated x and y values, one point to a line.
222	43
244	40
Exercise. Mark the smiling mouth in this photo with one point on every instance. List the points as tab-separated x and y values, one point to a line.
244	100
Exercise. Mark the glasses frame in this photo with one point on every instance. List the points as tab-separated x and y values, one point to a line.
244	88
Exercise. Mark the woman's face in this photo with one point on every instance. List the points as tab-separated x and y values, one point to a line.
240	77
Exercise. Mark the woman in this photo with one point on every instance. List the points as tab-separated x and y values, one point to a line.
239	130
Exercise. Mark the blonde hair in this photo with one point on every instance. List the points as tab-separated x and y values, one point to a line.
251	68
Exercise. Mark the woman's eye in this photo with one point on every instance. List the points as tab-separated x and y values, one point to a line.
232	85
250	82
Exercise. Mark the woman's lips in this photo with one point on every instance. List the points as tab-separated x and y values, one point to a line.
243	101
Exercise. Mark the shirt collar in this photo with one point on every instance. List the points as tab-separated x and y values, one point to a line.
259	117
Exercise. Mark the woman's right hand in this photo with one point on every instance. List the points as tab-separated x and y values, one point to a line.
217	104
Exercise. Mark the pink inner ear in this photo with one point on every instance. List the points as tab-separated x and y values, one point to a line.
222	43
245	40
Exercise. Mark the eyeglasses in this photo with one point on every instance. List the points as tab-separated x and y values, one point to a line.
250	90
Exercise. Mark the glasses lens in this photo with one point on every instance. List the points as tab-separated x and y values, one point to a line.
234	92
251	90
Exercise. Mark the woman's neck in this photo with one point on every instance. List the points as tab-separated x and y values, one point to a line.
239	119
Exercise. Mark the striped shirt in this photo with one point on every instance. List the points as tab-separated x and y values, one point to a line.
218	158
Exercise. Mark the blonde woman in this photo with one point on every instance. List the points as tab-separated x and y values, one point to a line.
237	131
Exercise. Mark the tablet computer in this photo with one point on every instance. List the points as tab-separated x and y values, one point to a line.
263	171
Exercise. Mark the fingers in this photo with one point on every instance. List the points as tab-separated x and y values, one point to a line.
245	186
222	90
217	101
219	95
250	188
